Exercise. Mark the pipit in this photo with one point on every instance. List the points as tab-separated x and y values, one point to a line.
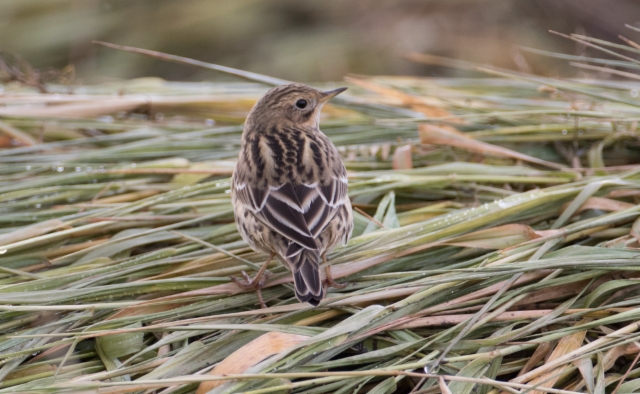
289	188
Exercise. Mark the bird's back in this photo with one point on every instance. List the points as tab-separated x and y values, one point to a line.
289	192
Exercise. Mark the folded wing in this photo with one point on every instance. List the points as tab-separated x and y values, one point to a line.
299	212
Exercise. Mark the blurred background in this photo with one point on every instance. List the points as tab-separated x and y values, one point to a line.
308	41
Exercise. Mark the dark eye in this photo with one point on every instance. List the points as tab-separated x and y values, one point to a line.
302	103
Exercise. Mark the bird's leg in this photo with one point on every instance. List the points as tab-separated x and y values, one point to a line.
258	281
328	278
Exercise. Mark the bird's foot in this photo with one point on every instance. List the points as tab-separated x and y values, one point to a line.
255	284
249	283
329	282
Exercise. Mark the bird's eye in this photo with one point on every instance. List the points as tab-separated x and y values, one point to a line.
302	103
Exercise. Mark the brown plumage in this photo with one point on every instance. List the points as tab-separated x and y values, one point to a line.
289	187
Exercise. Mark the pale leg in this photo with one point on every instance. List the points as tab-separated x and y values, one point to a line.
329	279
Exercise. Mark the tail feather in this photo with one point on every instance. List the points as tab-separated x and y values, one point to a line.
305	264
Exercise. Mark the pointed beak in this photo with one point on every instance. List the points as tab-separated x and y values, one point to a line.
329	94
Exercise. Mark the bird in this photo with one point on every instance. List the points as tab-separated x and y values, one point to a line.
289	189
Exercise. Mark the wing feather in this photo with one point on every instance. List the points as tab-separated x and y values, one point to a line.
297	211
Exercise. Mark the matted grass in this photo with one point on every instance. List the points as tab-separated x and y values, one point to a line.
497	244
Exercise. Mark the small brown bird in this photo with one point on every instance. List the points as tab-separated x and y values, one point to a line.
289	188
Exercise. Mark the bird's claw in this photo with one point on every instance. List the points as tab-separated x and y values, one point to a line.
252	284
331	283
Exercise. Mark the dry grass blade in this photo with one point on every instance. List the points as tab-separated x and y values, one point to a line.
564	346
183	60
430	134
250	354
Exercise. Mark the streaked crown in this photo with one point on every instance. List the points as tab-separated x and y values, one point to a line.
296	103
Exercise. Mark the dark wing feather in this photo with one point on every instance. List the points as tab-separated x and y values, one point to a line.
298	212
278	209
286	220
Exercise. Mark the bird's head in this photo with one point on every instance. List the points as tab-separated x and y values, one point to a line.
295	104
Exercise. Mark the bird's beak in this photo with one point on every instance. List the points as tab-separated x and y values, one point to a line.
329	94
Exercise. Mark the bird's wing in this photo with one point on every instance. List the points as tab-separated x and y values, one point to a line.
297	211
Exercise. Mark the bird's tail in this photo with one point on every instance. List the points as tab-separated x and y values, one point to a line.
305	264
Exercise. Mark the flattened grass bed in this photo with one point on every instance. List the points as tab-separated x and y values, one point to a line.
496	241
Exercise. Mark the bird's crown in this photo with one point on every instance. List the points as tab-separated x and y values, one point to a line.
296	103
